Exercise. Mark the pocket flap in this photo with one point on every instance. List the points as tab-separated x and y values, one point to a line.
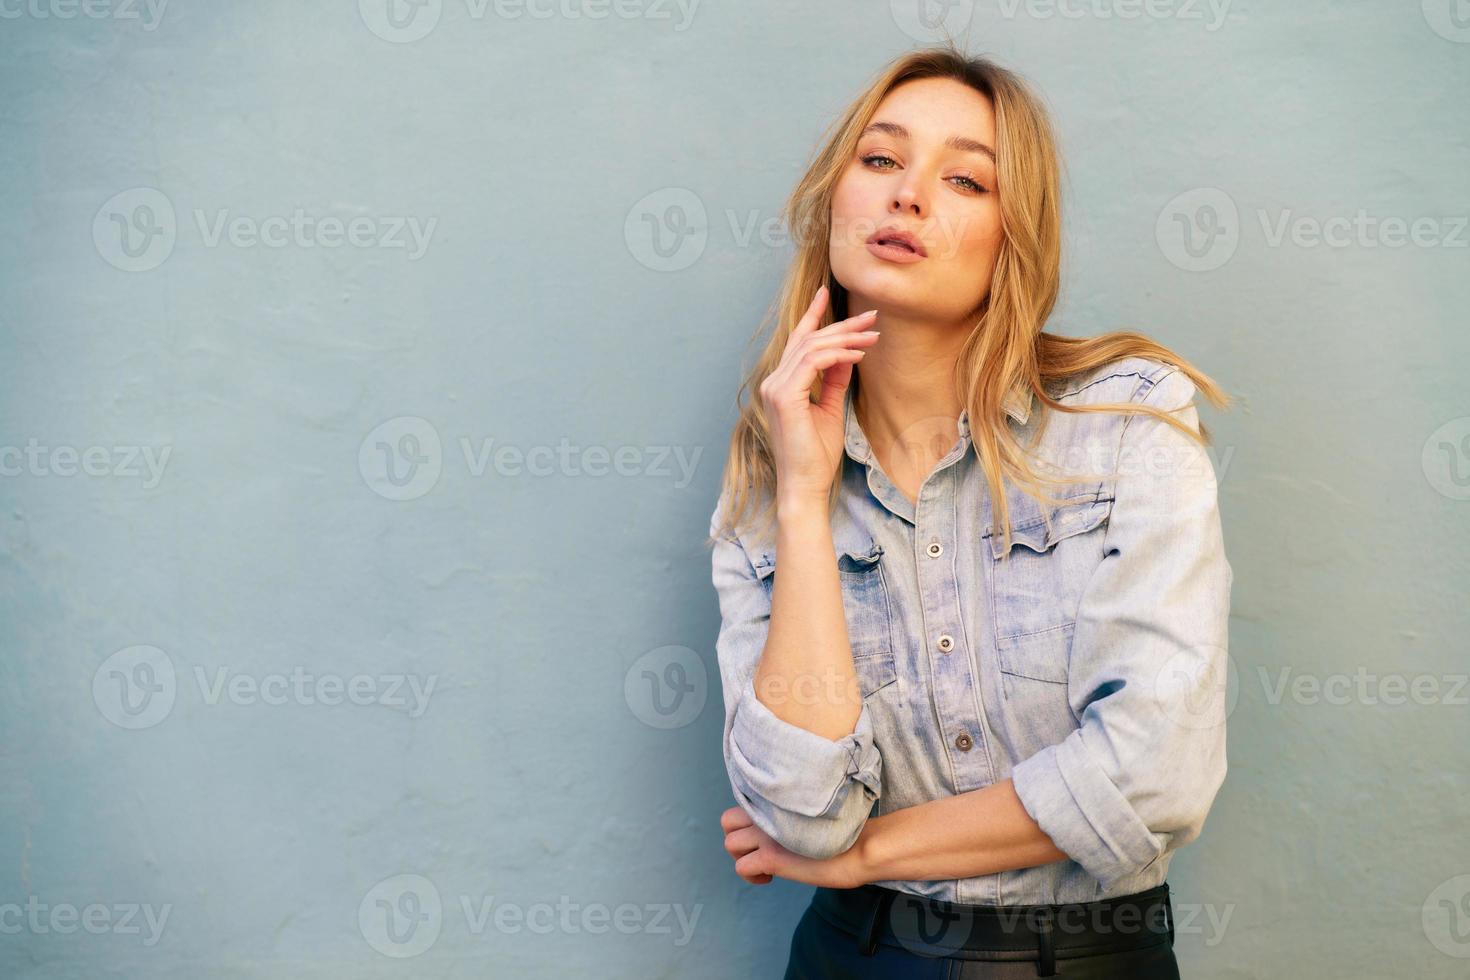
851	556
1073	516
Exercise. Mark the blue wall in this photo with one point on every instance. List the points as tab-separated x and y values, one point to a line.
364	386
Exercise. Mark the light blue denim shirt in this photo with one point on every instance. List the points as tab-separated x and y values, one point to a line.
1088	665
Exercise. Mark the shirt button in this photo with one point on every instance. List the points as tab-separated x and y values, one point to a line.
935	549
946	643
963	741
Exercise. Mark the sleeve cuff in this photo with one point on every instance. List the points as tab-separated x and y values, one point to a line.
1083	813
797	770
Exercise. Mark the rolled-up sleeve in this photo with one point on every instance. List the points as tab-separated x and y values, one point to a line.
812	795
1148	665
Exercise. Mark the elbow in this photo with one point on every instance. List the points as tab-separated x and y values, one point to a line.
1176	810
810	794
820	836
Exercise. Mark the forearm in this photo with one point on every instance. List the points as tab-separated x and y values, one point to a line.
976	833
806	675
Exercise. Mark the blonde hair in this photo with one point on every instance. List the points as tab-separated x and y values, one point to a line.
1006	345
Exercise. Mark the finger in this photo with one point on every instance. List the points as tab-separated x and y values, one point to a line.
823	359
742	841
751	866
812	316
734	818
834	386
794	378
861	321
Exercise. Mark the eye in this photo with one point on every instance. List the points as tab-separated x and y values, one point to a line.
873	159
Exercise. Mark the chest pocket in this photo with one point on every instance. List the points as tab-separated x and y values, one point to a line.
866	609
1038	582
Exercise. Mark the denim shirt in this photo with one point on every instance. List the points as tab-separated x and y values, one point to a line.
1087	665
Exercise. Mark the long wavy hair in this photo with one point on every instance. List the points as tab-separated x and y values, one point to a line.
1006	345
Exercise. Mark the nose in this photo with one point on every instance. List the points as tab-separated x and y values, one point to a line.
908	199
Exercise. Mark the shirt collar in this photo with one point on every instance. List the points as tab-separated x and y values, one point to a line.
1018	404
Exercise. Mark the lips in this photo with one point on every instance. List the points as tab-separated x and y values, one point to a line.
899	239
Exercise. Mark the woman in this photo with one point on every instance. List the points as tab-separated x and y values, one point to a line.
1016	653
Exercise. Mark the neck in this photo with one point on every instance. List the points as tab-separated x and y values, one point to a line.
905	397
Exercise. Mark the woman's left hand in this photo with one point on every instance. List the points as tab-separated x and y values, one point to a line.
758	858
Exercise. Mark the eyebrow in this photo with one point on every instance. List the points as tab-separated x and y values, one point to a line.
956	142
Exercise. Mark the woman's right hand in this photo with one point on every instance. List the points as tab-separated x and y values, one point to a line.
807	437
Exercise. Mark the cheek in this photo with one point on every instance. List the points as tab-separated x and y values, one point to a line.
973	238
849	226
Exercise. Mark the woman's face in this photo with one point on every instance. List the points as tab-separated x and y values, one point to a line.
926	166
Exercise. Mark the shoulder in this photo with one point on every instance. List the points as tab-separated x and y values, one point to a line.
1126	379
752	537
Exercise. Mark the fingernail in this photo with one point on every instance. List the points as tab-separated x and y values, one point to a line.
868	313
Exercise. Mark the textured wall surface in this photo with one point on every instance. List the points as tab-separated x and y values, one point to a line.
365	376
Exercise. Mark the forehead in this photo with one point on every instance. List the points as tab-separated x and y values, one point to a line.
933	109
